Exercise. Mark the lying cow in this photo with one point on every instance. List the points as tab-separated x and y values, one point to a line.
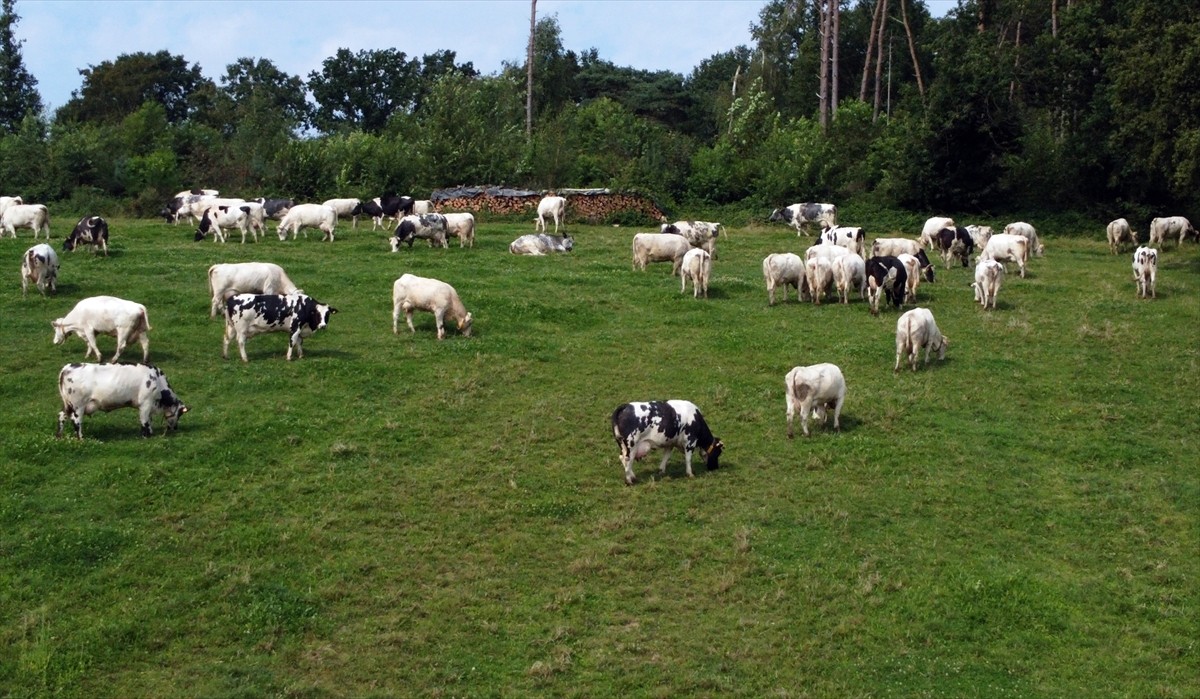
1145	271
696	266
801	215
659	247
1163	228
431	227
1118	231
989	275
412	293
91	230
540	244
643	426
784	269
35	217
814	389
299	315
887	275
105	315
225	280
304	216
916	330
88	388
555	207
39	265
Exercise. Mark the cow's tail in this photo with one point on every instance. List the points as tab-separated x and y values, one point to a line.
143	322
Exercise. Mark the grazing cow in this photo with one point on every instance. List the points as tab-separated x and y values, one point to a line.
880	271
1163	228
1029	233
461	226
35	217
800	215
980	235
180	204
853	238
299	315
540	244
890	247
1118	231
351	208
203	203
225	280
916	330
6	202
412	293
850	272
642	426
88	388
989	275
700	234
431	227
659	247
303	216
105	315
696	266
423	206
826	250
930	230
814	389
256	218
218	219
819	272
552	206
912	267
954	243
1004	247
91	230
1145	271
40	266
784	269
275	208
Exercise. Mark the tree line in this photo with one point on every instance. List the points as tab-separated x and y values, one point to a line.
1001	105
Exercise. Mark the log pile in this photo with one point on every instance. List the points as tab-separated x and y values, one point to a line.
591	206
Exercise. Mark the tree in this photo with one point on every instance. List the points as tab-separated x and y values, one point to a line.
18	93
362	90
258	82
114	89
711	89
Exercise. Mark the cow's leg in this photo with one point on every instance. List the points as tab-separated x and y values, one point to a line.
144	341
408	314
225	341
89	337
662	467
439	315
687	461
837	413
805	411
791	410
396	319
241	342
627	462
62	417
145	414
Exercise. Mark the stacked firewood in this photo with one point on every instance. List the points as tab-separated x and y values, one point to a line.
591	206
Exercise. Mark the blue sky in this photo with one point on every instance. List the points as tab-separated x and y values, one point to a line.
62	36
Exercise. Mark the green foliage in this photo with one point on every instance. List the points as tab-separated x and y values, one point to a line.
114	89
18	87
469	132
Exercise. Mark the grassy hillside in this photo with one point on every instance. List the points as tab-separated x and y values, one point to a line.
393	515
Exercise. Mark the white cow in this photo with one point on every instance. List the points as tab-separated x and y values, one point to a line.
412	293
1028	232
1163	228
302	216
659	247
225	280
540	244
827	250
930	230
423	206
784	269
105	315
197	205
550	206
6	202
814	389
696	266
853	238
1118	231
32	216
912	267
893	247
1145	271
819	273
88	388
980	235
347	207
916	330
1006	247
700	234
40	266
989	275
461	226
850	272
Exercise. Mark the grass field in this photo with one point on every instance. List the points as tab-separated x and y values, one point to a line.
398	516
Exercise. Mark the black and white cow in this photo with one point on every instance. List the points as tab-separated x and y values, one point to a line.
642	426
387	206
247	315
431	227
882	271
91	230
799	215
88	388
954	242
275	208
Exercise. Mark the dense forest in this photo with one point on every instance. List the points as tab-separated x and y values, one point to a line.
1001	105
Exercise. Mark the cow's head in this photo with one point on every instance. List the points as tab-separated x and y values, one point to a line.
69	243
943	343
568	243
780	215
60	330
714	453
172	408
464	324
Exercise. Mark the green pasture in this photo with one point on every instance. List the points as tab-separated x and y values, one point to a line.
398	516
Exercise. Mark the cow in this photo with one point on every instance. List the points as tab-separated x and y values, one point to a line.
91	230
423	206
196	209
880	271
35	217
218	219
828	251
256	218
696	266
894	247
412	293
989	275
916	330
659	247
299	315
344	208
853	238
642	426
1118	231
385	207
39	265
819	272
700	234
550	206
1145	271
1163	228
1007	247
431	227
980	234
105	315
88	388
275	208
303	216
461	226
954	243
784	269
1028	232
800	215
180	204
930	230
814	389
225	280
912	267
540	244
850	272
6	202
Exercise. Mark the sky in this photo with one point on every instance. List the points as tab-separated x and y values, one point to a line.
62	36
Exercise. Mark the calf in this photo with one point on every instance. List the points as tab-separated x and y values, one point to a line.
91	230
35	217
431	227
225	280
247	315
696	266
853	238
801	215
88	388
886	274
1163	228
410	293
461	226
784	269
642	426
989	275
540	244
40	266
1007	247
550	206
1145	270
814	389
1118	231
916	330
351	208
659	247
303	216
105	315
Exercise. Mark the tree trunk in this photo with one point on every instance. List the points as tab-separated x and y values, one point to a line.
1054	18
836	10
823	109
912	49
862	90
1012	85
529	72
879	59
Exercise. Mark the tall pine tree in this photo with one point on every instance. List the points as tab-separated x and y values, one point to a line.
18	93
